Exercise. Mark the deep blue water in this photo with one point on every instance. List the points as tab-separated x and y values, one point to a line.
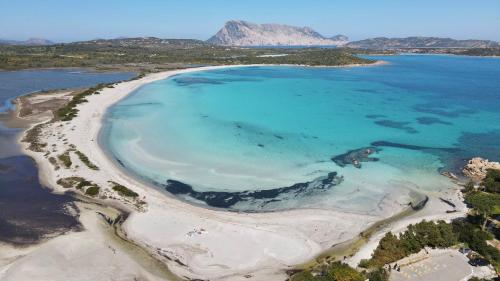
28	211
270	137
15	83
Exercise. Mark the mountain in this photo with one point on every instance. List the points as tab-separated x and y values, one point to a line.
420	42
243	33
150	43
29	42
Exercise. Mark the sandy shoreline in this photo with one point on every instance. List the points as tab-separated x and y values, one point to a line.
196	242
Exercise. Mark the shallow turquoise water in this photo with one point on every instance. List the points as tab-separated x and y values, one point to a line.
219	136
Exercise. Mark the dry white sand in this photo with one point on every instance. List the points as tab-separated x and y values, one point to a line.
199	243
92	254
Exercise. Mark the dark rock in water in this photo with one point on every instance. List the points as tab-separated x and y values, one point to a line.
454	158
355	157
397	125
414	147
436	110
120	162
29	212
188	81
419	205
431	121
260	145
222	199
448	202
177	187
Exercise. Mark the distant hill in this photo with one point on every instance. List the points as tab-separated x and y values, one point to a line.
243	33
150	43
420	42
29	42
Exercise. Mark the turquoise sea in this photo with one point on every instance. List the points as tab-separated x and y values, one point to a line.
268	138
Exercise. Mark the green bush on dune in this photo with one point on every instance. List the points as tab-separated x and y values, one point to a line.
123	190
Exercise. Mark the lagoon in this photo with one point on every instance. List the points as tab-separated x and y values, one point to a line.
356	139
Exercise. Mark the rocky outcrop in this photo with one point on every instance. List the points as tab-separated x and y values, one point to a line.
477	168
243	33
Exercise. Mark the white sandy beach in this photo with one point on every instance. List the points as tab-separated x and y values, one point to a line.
196	242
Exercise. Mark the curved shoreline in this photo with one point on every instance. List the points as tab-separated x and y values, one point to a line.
202	240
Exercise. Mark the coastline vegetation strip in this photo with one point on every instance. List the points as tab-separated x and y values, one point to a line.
474	231
70	182
86	160
123	190
33	138
69	111
120	54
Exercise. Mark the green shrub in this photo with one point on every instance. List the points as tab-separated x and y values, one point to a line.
336	271
476	239
491	182
424	234
69	111
92	190
83	184
70	182
65	159
485	204
123	191
86	160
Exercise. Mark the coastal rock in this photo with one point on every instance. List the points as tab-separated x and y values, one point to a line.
243	33
477	167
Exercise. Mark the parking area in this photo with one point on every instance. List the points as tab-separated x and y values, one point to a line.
445	265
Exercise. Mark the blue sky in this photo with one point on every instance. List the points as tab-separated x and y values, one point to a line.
69	20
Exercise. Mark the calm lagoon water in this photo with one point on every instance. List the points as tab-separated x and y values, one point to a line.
270	138
29	212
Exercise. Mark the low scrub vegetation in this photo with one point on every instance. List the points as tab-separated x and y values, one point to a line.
33	138
70	182
69	111
424	234
65	159
123	190
338	271
92	190
102	54
492	181
86	160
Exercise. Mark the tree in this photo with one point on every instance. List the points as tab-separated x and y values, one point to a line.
469	187
491	182
484	203
343	272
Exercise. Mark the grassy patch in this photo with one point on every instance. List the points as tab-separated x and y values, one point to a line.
338	271
69	111
86	160
33	138
53	161
83	184
93	190
70	182
65	159
123	191
424	234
